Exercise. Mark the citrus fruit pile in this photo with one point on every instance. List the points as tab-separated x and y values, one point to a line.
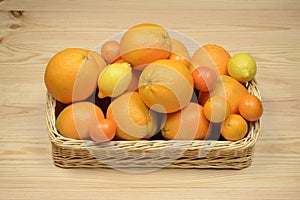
147	86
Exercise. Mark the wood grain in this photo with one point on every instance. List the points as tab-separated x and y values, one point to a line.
135	5
32	31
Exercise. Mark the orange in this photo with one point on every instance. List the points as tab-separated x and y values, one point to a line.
216	109
229	88
74	120
110	51
145	43
180	53
213	56
134	120
166	86
71	75
104	131
186	124
250	107
234	128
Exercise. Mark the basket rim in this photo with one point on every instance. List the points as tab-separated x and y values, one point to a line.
57	139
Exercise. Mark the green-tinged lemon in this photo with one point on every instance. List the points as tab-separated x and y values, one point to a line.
114	80
242	67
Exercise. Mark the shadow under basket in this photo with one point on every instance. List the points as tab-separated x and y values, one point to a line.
70	153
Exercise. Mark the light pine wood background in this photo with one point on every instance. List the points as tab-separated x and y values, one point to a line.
269	30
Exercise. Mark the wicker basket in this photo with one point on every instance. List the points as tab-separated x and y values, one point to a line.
70	153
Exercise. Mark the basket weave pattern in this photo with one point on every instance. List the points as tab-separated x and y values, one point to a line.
70	153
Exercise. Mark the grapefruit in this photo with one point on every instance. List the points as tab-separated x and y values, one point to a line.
166	86
133	118
145	43
71	75
186	124
212	56
74	120
226	87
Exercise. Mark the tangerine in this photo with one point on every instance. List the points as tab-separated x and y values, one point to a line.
104	131
205	79
110	51
250	107
216	109
234	128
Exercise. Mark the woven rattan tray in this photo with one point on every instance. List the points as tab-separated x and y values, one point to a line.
70	153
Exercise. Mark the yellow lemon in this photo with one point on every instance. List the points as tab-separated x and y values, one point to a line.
242	67
114	80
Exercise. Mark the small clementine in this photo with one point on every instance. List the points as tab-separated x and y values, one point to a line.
216	109
250	107
205	79
104	131
234	128
110	51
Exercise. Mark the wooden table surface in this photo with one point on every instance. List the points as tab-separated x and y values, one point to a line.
32	31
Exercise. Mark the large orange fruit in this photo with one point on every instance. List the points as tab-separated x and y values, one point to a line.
213	56
133	118
226	87
145	43
75	120
186	124
166	86
71	75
